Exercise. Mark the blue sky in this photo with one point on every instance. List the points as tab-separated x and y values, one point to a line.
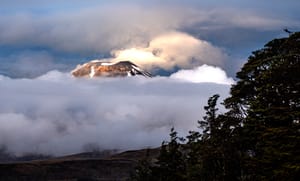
61	34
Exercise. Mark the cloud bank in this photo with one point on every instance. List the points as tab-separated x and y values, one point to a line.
58	114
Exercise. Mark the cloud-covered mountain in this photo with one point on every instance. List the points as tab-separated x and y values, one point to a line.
59	114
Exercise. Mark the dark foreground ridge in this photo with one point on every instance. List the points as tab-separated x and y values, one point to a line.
76	167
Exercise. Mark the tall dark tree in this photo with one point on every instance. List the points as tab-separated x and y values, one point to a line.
211	151
203	156
267	98
217	147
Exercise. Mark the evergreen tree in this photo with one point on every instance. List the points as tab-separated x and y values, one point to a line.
215	149
169	166
171	161
210	151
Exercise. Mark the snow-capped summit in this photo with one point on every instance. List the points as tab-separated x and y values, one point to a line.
98	68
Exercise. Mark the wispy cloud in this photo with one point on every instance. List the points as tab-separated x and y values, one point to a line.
120	26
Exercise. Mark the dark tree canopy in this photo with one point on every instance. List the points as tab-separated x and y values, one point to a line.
269	82
267	97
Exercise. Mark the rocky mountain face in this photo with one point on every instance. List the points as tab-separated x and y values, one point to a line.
97	68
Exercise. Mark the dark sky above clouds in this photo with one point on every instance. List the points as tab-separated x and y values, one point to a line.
198	44
70	32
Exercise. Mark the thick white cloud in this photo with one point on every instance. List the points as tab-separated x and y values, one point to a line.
204	73
58	114
172	50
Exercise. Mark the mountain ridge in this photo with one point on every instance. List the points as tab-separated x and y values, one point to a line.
82	166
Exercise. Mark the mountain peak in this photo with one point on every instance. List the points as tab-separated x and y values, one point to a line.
97	68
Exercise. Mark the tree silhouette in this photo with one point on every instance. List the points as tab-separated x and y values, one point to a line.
267	98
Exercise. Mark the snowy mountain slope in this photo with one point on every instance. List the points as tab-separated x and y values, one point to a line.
98	68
